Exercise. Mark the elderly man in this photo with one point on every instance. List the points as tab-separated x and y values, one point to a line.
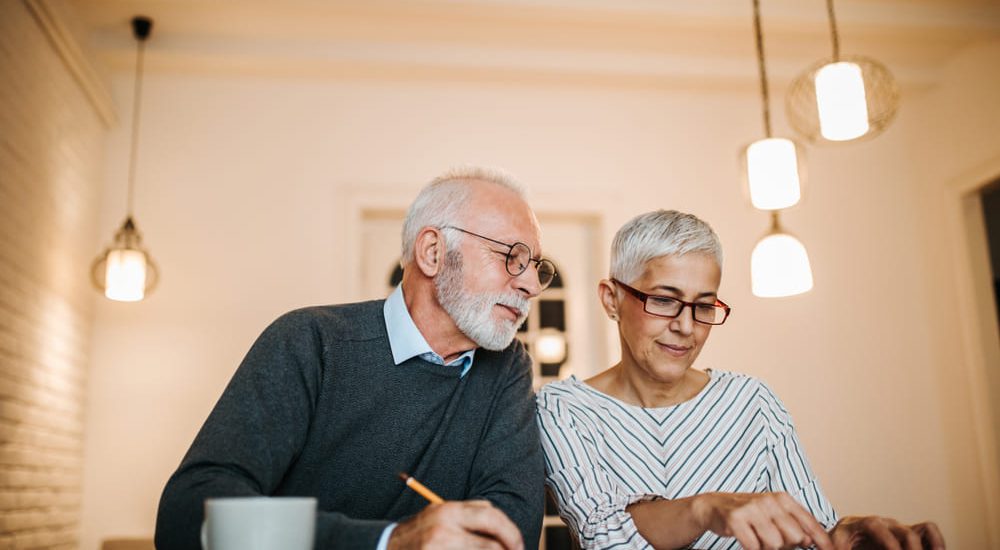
334	401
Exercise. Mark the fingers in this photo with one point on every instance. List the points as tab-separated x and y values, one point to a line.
876	529
745	535
878	532
482	518
843	539
790	532
458	525
768	520
768	534
813	532
930	535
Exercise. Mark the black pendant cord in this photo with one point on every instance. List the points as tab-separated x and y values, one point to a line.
833	30
141	27
765	99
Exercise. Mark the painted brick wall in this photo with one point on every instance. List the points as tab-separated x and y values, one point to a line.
51	140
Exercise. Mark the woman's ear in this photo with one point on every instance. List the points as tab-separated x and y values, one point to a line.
606	291
428	251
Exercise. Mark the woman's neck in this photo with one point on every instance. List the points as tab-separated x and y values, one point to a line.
636	388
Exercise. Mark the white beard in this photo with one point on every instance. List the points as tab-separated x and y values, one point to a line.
473	312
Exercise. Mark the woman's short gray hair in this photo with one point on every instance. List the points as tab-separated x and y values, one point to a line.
660	233
440	202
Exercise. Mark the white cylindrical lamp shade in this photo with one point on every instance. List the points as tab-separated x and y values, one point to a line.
125	275
779	266
772	173
841	102
550	347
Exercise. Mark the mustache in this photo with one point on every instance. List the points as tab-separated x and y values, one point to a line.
520	303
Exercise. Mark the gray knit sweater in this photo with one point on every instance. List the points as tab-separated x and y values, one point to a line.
317	408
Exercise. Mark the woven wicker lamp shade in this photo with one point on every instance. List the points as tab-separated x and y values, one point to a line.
881	99
842	98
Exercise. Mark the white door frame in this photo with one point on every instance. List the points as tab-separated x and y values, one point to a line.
979	327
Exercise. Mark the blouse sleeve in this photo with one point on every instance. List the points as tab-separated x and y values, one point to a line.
590	501
787	467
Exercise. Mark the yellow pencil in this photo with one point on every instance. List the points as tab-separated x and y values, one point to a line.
420	489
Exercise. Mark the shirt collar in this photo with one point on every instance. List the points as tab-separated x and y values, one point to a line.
405	339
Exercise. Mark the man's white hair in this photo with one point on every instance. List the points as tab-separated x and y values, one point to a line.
441	201
660	233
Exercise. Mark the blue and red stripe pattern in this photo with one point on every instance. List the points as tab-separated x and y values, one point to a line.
602	455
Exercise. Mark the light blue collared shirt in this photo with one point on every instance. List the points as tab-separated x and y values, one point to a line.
406	342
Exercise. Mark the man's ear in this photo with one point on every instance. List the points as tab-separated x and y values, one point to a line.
428	251
606	291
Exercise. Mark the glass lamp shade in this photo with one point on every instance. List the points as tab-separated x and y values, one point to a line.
124	271
550	347
826	102
840	101
779	266
773	174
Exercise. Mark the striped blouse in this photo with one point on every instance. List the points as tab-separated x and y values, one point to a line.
602	454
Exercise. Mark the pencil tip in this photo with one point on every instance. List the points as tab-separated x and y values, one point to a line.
403	475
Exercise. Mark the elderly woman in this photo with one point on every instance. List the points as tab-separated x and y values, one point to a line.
656	453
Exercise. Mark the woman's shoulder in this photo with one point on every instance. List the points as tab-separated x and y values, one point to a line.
560	391
756	389
737	382
569	398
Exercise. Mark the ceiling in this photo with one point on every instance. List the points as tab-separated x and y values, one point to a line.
663	43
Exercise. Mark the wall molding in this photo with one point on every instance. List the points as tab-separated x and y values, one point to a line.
46	14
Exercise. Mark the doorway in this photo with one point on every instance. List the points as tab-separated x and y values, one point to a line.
990	198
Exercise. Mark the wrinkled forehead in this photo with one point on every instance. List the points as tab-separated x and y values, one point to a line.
501	214
695	272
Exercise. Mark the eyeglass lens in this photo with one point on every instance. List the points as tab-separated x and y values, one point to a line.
519	258
668	307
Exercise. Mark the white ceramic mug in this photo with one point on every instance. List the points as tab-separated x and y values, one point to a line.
259	523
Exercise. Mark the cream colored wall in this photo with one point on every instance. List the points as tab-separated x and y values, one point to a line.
245	199
955	145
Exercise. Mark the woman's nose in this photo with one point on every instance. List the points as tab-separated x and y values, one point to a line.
684	322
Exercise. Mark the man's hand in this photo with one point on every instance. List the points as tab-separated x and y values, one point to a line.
459	525
870	532
760	520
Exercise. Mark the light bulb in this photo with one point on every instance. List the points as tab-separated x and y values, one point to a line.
772	172
125	275
550	347
779	266
841	102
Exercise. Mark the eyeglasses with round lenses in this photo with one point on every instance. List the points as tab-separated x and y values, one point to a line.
666	306
518	258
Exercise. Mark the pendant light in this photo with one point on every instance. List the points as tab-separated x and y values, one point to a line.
844	98
125	271
550	346
779	265
771	166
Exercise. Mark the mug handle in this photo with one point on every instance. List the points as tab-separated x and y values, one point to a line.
204	535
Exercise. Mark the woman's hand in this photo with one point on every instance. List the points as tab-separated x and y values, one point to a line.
864	532
760	520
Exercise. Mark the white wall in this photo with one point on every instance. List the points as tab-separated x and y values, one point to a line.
243	196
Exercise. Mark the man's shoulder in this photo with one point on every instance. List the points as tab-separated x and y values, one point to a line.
514	358
353	321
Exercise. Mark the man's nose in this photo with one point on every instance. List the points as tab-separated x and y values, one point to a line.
527	282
